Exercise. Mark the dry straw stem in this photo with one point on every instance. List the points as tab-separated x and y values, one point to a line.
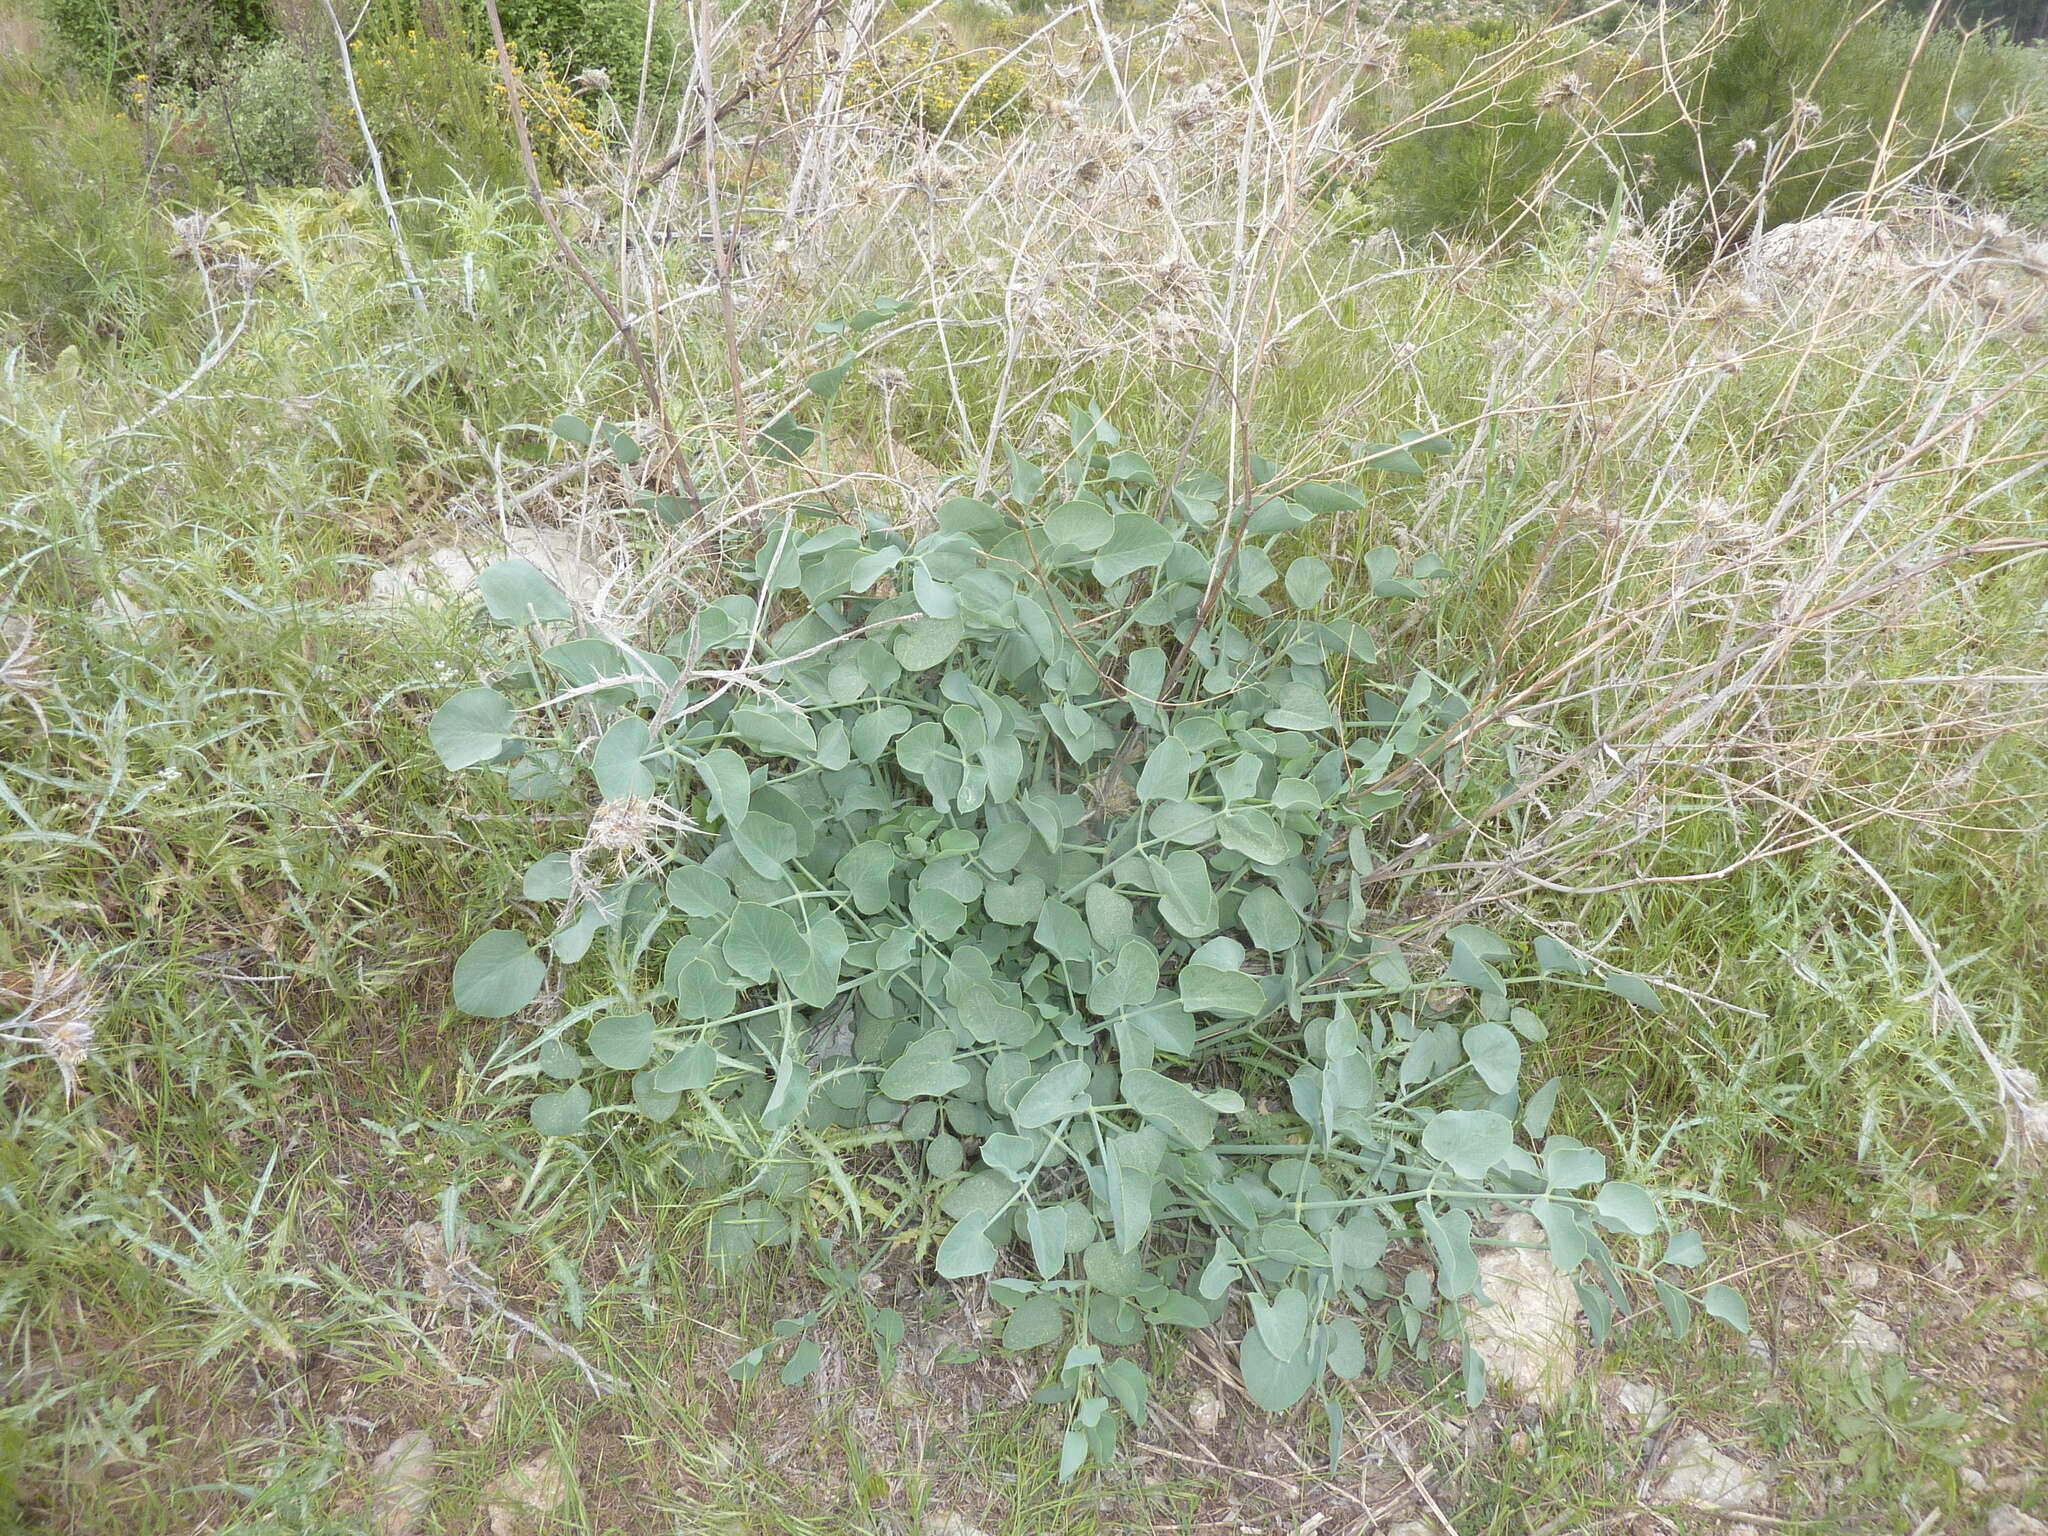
649	376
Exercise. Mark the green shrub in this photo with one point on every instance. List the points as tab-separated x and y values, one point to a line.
1784	116
1810	73
438	112
265	116
2015	172
84	257
1477	164
906	853
174	42
606	35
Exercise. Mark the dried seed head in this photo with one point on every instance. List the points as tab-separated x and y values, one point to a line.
1561	92
57	1009
2026	1115
188	234
1806	115
592	82
23	673
1990	228
1738	304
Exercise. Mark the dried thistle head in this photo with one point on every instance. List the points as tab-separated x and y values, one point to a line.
57	1008
189	232
623	831
23	672
2026	1116
1561	92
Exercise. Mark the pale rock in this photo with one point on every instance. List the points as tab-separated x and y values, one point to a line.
401	1483
1951	1264
949	1522
1861	1276
1529	1336
1821	254
2008	1521
1699	1472
1413	1528
1205	1413
447	571
1641	1406
523	1498
1868	1338
1797	1231
1972	1479
2025	1289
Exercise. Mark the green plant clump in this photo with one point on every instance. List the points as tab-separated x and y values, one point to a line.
1032	851
175	41
263	116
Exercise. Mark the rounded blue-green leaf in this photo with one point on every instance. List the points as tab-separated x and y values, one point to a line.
651	1101
1275	1384
1726	1303
561	1114
966	1251
516	592
1038	1321
624	1041
471	728
1685	1250
498	975
1624	1207
764	941
1472	1141
1307	580
1495	1054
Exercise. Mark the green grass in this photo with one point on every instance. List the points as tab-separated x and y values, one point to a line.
228	811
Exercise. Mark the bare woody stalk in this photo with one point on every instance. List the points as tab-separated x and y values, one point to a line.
723	247
650	378
355	99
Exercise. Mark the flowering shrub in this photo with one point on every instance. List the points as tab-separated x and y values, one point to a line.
2017	176
439	113
943	90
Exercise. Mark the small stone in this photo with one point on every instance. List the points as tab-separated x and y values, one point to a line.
1862	1276
401	1483
1972	1479
1205	1413
1701	1473
1797	1231
1867	1337
948	1522
448	571
1951	1264
1529	1335
2008	1521
1640	1404
527	1495
1413	1528
2026	1289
